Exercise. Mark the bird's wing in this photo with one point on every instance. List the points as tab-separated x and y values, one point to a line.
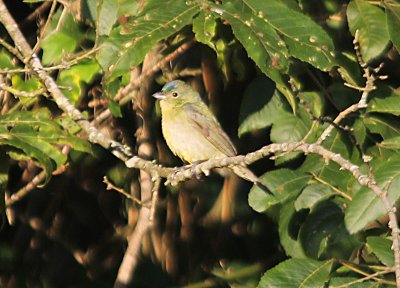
210	128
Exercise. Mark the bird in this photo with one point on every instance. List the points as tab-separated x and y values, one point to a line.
192	132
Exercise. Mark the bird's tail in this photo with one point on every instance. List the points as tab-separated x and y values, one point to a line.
248	175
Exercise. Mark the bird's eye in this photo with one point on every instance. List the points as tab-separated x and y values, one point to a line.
175	94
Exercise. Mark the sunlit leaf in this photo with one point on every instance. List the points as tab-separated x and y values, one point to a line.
297	273
130	44
106	16
366	206
382	248
393	21
204	26
313	194
371	23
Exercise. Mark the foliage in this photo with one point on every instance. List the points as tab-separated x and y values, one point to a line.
280	69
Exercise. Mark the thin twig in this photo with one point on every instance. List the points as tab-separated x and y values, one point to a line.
362	103
111	186
46	26
20	93
367	276
348	197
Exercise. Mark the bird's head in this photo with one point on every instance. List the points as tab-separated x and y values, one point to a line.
177	92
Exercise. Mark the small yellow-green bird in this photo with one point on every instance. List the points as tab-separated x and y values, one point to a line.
191	130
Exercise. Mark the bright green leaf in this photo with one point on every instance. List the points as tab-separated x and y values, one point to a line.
366	206
387	127
139	37
71	87
106	16
307	42
35	134
391	143
204	26
85	71
294	273
56	45
388	101
312	195
5	60
289	128
382	248
283	183
261	41
393	21
370	20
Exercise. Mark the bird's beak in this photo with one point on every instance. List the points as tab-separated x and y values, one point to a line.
159	95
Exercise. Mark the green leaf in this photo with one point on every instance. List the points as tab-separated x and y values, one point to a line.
57	43
381	247
323	224
71	87
392	143
349	69
115	108
106	16
260	201
297	273
312	195
283	183
288	129
387	127
74	78
262	43
32	152
35	134
393	21
261	106
85	71
387	102
366	206
28	85
289	224
5	60
204	26
129	8
371	23
360	131
157	22
307	42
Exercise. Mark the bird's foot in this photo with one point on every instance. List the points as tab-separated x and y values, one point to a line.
188	171
196	170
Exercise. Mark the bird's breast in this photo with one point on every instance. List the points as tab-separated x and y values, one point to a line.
186	141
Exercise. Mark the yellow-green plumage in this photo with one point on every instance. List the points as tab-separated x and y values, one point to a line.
191	130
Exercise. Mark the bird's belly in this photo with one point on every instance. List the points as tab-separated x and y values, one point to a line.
188	143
